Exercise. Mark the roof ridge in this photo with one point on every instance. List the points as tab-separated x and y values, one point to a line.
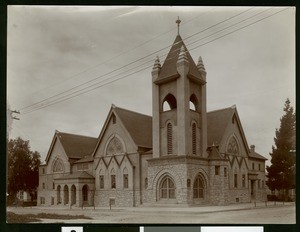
131	111
227	108
66	133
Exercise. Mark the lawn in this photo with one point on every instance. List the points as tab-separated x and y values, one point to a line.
25	218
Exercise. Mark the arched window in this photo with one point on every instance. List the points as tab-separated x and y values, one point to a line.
85	193
194	104
58	166
198	188
194	139
169	138
115	146
232	146
167	188
169	103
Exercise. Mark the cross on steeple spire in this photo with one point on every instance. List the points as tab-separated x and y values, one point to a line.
178	21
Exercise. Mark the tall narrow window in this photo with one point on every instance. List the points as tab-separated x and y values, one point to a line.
125	180
252	166
85	193
169	138
101	181
146	183
194	139
244	180
225	172
235	180
217	170
113	181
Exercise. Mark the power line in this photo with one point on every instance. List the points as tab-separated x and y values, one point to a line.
95	87
112	58
124	66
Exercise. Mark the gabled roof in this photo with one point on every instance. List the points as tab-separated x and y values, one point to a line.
217	122
75	146
169	68
139	126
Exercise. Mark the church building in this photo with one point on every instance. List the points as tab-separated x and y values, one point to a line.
181	155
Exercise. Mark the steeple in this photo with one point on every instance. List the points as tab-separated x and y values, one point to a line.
168	70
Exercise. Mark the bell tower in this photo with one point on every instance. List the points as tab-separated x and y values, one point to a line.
179	104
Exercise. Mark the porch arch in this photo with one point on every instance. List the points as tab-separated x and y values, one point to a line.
66	195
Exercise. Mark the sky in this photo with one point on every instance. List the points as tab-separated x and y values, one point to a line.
66	65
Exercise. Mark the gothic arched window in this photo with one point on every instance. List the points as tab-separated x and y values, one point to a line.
115	146
198	188
167	188
58	166
194	103
232	146
169	103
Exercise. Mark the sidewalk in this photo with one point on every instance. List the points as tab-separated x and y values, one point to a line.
158	208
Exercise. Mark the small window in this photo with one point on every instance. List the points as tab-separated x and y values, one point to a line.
217	170
188	183
43	170
225	172
43	185
113	181
101	181
125	180
259	167
114	119
235	180
53	185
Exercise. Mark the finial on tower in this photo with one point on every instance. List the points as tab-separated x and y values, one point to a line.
178	21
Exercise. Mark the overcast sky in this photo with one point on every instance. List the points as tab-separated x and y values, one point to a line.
248	53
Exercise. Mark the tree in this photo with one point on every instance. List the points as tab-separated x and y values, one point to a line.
281	173
23	167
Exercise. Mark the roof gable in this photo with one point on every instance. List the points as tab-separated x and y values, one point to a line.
138	127
217	123
75	146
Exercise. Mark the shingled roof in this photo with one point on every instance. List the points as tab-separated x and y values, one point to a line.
139	126
217	122
254	154
169	68
76	146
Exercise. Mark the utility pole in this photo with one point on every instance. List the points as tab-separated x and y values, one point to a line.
14	112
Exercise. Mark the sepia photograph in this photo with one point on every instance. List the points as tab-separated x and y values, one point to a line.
151	115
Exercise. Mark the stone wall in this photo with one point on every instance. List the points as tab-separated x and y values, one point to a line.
122	198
